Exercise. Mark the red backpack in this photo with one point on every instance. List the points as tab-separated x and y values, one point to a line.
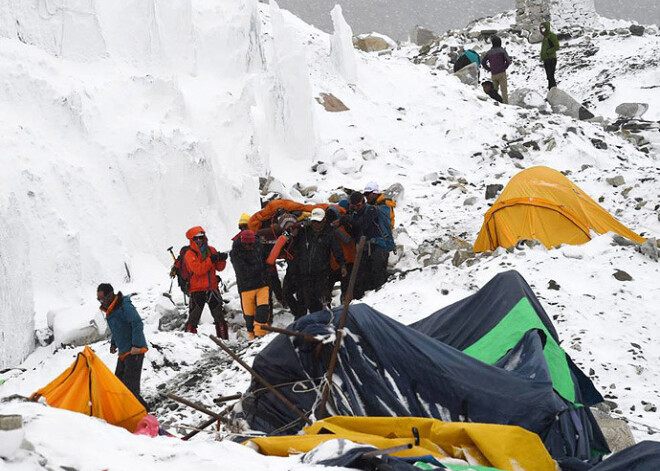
183	274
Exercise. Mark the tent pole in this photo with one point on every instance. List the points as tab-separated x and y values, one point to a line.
385	451
339	332
204	425
262	380
200	408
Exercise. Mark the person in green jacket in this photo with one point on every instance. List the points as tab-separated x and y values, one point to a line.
549	50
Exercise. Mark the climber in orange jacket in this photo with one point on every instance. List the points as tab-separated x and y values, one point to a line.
203	261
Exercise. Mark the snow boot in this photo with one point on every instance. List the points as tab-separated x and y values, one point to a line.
191	328
222	331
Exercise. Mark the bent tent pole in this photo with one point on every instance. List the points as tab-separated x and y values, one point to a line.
340	329
200	408
211	421
385	451
262	380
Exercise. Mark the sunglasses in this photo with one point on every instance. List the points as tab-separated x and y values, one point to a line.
199	237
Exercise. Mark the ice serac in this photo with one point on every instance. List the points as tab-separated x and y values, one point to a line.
341	47
287	123
64	29
16	298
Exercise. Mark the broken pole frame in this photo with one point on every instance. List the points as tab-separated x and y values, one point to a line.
306	337
204	425
199	408
261	379
221	399
339	332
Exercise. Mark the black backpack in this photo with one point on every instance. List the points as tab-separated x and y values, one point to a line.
180	269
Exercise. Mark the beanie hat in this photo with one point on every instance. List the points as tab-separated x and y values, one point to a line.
285	220
356	197
247	236
244	219
344	204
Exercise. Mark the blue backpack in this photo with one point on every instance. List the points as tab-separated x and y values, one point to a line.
385	228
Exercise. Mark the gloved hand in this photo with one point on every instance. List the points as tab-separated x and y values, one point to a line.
219	257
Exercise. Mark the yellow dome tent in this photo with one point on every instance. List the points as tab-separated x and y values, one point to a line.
541	203
89	387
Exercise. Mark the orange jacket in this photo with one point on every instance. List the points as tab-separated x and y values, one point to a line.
202	270
348	249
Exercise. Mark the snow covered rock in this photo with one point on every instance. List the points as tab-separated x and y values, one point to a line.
341	47
527	98
77	326
373	42
632	110
422	36
637	30
616	431
11	434
562	103
469	75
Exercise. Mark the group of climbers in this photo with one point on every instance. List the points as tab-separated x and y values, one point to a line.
497	61
317	243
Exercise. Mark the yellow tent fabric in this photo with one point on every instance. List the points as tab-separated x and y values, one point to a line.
500	446
89	387
541	203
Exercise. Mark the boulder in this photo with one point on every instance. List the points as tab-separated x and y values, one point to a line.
422	36
632	110
637	30
469	75
471	201
493	190
562	103
535	37
461	256
77	326
622	275
616	181
11	434
616	431
527	98
373	42
331	103
369	154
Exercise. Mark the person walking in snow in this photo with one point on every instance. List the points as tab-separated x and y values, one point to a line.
372	273
127	337
311	248
340	226
496	62
549	49
203	261
249	262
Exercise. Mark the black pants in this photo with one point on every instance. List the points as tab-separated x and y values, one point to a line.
216	305
335	276
292	295
313	290
550	66
373	269
129	371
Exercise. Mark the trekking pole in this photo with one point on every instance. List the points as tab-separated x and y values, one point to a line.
261	379
339	332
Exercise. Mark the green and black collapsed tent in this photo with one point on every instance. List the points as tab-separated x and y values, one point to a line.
491	322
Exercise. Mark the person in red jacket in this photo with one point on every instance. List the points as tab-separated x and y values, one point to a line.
203	261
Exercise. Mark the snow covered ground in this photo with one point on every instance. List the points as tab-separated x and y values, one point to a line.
108	158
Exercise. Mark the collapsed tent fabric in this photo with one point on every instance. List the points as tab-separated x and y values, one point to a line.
541	203
645	456
492	322
89	387
500	446
386	369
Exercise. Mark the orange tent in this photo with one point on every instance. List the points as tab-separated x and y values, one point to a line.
541	203
89	387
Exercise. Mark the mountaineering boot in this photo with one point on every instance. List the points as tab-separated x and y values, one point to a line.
191	328
222	331
250	335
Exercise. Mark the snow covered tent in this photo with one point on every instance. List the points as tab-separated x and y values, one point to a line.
90	388
541	203
500	446
491	323
386	369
